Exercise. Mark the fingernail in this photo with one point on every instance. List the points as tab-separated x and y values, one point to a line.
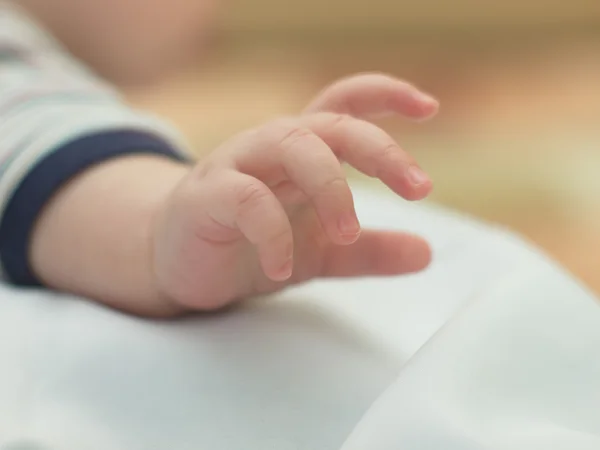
286	270
417	176
349	226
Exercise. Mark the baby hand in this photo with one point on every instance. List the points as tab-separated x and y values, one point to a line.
272	206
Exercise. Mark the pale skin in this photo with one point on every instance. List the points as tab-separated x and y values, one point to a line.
159	238
269	208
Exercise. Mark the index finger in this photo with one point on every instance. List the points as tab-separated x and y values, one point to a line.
369	96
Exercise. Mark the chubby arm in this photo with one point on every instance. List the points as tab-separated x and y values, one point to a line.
79	171
94	237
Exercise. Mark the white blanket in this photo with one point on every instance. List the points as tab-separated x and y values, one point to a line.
492	348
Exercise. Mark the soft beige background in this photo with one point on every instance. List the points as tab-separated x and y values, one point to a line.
423	14
518	139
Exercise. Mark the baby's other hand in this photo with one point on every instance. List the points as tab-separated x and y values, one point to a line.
272	206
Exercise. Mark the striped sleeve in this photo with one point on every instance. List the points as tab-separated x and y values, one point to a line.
56	120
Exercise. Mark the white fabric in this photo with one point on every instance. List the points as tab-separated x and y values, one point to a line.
493	348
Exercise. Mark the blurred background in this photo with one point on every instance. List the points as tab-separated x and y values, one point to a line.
518	139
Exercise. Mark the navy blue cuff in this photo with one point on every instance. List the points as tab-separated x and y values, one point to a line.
48	176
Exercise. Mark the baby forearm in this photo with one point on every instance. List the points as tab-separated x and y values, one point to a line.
94	237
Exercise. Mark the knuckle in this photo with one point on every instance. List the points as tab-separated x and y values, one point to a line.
279	232
291	134
250	195
337	182
383	157
284	133
388	151
339	120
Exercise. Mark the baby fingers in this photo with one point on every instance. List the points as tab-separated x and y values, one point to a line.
242	202
286	151
307	151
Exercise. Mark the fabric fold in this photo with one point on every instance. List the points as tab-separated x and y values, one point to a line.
517	369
